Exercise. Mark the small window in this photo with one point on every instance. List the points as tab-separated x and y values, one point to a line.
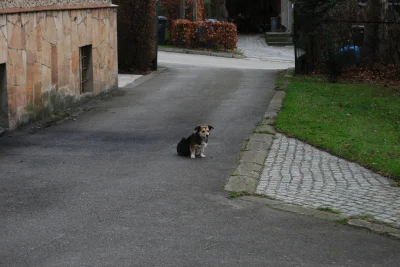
86	69
3	97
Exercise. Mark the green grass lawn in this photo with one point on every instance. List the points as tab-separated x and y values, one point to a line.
360	122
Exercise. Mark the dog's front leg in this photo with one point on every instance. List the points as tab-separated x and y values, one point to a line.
192	151
202	151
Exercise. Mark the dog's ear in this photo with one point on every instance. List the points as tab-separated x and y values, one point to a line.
197	129
210	127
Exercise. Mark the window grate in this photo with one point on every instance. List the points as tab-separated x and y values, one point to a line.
86	71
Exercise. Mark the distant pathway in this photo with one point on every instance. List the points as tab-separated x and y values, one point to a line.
299	173
254	46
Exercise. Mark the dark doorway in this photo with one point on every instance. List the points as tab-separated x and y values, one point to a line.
3	97
253	16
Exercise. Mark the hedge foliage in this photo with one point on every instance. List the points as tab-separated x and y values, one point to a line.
213	35
136	35
173	10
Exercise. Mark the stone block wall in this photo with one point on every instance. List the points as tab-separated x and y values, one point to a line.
41	52
9	4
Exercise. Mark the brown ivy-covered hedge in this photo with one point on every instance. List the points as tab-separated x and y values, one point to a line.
136	35
172	9
216	35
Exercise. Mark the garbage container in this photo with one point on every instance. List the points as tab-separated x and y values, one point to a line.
350	54
162	23
275	21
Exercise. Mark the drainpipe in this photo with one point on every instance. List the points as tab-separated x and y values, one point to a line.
155	61
195	10
182	9
288	16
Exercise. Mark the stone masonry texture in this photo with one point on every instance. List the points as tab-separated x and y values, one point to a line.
41	51
9	4
298	173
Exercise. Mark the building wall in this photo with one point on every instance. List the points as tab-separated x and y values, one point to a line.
9	4
41	52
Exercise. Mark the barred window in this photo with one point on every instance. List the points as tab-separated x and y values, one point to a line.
86	69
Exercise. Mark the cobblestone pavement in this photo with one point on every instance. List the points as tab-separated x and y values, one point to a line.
298	173
254	46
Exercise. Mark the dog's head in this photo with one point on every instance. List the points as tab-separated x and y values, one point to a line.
203	131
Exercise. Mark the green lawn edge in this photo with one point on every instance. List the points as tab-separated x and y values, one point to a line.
359	122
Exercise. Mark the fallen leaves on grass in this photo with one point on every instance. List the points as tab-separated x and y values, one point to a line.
373	73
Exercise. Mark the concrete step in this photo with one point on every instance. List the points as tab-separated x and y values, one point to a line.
278	34
279	43
279	39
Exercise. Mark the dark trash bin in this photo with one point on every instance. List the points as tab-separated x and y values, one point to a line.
350	54
201	35
162	25
275	24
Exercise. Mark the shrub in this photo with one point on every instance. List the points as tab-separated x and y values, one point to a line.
172	9
136	35
213	35
182	32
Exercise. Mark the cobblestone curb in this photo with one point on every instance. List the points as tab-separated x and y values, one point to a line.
247	174
336	218
199	52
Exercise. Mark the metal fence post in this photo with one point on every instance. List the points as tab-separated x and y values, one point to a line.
155	61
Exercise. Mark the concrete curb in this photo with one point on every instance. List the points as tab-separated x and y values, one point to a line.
199	52
144	78
270	59
247	174
336	218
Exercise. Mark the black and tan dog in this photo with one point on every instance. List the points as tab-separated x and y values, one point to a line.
195	144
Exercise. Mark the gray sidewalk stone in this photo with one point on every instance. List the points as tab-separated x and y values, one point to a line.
241	183
257	157
246	176
248	169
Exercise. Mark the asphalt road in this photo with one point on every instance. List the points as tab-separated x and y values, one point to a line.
109	190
